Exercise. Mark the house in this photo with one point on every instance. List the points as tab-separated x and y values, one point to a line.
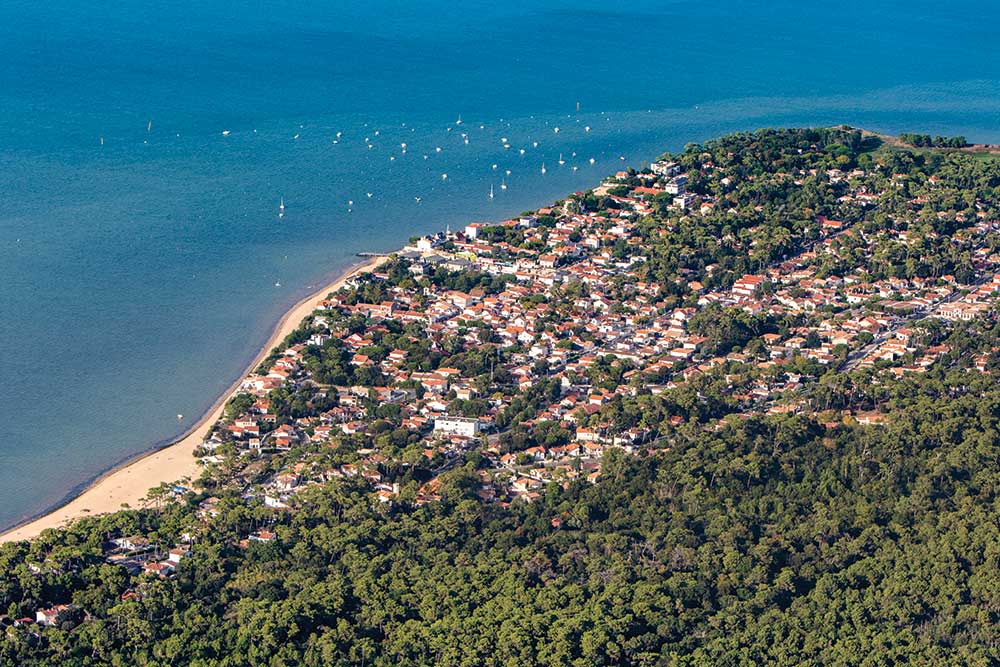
472	229
177	554
54	615
262	535
748	285
286	481
130	543
275	502
162	569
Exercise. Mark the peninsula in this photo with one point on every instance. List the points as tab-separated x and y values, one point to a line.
737	407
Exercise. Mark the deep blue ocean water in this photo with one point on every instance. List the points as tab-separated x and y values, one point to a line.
137	277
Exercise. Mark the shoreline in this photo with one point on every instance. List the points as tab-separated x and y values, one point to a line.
130	481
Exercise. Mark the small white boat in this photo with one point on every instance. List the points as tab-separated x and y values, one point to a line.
503	185
543	167
491	191
561	160
225	133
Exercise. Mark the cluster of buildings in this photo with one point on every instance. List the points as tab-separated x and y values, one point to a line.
565	294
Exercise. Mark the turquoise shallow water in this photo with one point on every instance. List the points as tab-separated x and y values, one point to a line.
137	277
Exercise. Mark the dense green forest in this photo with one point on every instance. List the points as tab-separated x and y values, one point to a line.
732	538
769	541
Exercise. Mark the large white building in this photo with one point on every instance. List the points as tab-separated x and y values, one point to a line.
468	427
666	169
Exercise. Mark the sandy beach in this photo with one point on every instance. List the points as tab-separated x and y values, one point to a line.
129	483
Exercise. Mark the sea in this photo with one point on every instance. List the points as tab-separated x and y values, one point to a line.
145	148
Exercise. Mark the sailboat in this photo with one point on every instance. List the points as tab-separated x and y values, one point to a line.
561	160
491	191
459	121
543	167
503	185
281	208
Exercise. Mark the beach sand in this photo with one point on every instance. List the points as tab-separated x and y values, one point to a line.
130	483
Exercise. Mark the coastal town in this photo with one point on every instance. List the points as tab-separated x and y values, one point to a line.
511	357
524	342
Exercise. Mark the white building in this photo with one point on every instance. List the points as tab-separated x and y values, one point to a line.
468	427
677	186
472	229
683	201
666	169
